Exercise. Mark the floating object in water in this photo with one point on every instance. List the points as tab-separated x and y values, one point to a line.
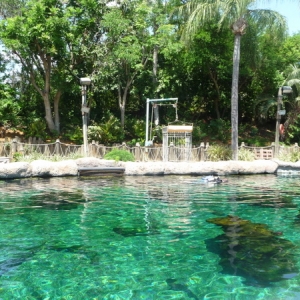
253	251
211	179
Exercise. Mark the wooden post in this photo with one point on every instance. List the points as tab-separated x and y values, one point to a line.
93	148
137	152
202	154
13	149
273	149
205	151
57	148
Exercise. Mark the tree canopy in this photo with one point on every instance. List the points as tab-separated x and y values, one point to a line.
141	49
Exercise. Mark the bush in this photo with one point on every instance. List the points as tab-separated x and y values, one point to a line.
246	155
220	130
293	156
75	135
219	152
108	132
135	131
119	155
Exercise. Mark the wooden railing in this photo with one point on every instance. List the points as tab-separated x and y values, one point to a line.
36	148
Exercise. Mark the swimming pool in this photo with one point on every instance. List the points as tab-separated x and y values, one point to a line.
153	237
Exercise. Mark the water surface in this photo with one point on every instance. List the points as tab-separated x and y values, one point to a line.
166	237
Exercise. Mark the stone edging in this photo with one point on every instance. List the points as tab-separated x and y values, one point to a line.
43	168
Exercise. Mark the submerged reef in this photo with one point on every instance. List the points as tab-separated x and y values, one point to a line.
253	251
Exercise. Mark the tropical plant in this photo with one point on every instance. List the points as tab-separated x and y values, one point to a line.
119	155
291	124
236	14
218	152
246	155
110	131
290	156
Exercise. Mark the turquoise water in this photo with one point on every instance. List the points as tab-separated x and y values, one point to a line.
150	238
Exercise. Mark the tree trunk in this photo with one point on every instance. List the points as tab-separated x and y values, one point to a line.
122	100
216	100
155	68
234	96
56	110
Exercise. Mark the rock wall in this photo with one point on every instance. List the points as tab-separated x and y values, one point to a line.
43	168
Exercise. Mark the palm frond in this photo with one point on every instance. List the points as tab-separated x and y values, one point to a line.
269	21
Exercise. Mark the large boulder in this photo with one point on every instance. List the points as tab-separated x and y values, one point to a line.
93	162
144	168
14	170
44	168
201	168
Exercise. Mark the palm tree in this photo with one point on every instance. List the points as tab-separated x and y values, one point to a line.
237	15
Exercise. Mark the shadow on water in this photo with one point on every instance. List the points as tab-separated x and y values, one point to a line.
252	251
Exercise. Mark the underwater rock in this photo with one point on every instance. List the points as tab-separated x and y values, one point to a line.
252	251
58	200
175	286
127	232
16	257
267	200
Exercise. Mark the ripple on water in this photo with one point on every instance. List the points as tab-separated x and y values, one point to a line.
138	238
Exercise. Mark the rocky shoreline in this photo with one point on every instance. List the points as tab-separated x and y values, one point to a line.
43	168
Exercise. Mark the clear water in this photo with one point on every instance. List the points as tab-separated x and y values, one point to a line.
145	238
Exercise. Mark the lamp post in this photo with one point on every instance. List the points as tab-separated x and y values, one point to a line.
282	90
85	111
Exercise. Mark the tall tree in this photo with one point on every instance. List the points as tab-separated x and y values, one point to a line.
36	38
123	52
236	14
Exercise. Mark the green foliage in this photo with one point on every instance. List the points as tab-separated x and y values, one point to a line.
136	131
199	133
246	155
119	155
37	128
9	106
290	156
218	152
39	156
17	156
108	132
75	135
220	130
257	141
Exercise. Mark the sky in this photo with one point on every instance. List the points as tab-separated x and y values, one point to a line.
288	8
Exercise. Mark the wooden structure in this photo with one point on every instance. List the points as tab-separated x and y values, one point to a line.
177	142
101	171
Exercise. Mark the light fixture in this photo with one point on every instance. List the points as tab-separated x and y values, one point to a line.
85	111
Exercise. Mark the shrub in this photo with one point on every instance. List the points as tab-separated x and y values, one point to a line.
74	134
108	132
219	130
219	152
293	156
135	131
119	155
246	155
